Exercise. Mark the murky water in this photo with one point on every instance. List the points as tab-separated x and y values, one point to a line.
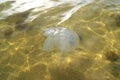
22	24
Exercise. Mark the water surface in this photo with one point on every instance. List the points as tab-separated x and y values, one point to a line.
22	24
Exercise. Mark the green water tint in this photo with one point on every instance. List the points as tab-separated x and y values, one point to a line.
97	58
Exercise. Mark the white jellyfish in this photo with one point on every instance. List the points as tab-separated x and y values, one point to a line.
60	38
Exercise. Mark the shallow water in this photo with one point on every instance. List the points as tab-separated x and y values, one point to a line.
22	24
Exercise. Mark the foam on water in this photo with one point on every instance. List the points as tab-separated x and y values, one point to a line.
39	5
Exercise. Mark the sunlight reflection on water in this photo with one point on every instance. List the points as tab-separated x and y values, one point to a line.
22	25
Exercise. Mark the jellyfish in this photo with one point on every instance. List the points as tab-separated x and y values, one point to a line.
61	39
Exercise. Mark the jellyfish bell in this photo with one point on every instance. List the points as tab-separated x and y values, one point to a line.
49	31
60	38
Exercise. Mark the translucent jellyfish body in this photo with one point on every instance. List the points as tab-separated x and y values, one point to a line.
61	39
